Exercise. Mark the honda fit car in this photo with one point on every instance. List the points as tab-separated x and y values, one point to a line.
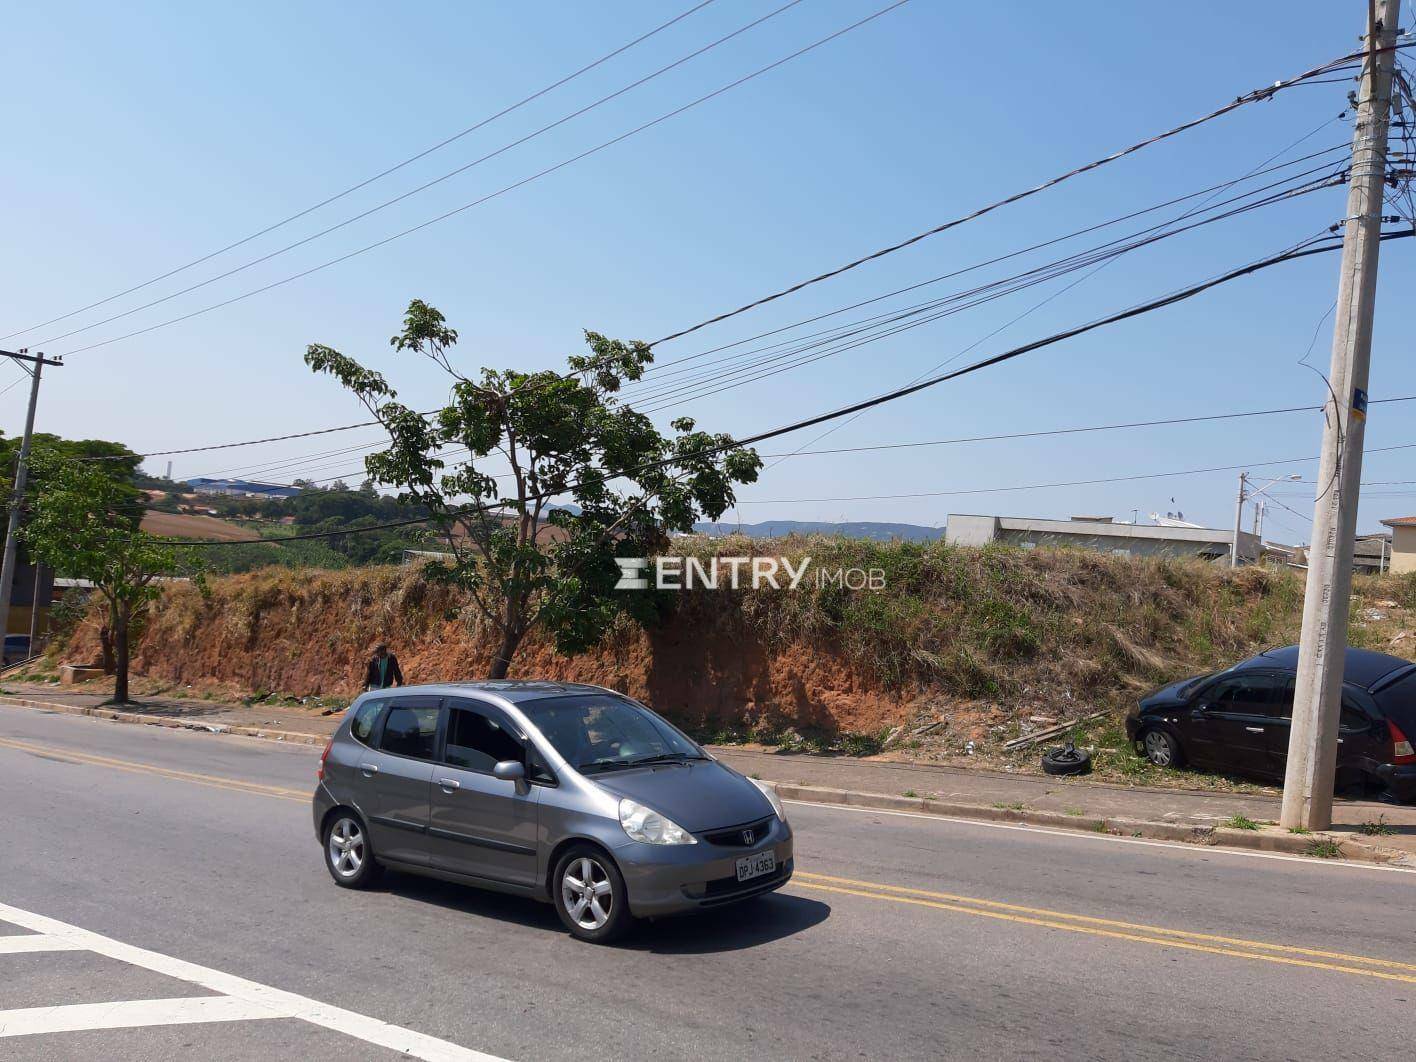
571	794
1239	721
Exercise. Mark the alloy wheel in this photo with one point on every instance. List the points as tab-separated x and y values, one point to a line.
1158	748
587	894
346	848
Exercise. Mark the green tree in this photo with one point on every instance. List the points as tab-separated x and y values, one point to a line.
83	523
523	561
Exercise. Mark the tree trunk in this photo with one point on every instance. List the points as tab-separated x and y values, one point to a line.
105	641
502	661
120	640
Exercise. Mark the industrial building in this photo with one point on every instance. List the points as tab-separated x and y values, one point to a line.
1103	535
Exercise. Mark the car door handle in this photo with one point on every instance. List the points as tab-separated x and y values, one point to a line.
449	784
369	769
1254	729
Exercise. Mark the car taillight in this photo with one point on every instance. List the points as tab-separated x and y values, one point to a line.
1402	752
319	773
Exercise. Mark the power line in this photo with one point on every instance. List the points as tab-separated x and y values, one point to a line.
679	361
507	188
427	184
891	396
659	366
916	317
1044	486
376	177
1011	436
1249	97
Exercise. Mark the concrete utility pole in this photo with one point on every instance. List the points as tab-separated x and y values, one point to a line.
1312	745
1238	520
17	495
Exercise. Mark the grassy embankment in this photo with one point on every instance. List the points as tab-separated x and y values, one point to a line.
963	645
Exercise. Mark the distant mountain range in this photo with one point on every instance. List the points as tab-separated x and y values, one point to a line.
881	532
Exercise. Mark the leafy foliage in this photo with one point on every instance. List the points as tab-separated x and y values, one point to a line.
83	523
522	560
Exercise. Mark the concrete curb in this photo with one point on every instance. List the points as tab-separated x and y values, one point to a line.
1265	839
174	723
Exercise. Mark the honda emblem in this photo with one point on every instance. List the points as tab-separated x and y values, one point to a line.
748	837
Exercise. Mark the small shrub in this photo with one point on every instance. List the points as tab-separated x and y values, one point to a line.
1324	849
1378	827
1240	822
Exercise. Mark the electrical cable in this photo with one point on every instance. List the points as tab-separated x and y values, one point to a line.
376	177
503	190
427	184
891	396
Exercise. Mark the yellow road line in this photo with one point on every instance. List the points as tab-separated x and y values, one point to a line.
1208	938
214	781
1237	947
1141	938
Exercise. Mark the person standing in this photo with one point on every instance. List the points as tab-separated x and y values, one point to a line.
382	670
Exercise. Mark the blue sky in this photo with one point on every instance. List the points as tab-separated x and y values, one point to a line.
145	135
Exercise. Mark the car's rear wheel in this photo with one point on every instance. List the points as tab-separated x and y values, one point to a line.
590	896
349	856
1161	748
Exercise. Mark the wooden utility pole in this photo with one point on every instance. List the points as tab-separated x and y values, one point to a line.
1312	745
17	495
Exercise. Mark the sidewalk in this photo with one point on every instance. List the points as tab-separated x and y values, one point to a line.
1174	814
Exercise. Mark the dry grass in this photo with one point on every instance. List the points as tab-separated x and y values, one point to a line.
962	645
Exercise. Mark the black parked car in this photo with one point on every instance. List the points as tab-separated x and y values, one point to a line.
1239	720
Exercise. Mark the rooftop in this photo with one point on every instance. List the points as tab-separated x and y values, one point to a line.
1401	521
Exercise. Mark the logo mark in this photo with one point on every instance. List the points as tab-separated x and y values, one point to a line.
748	837
631	569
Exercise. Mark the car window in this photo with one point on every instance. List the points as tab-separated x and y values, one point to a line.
365	717
601	731
478	742
1243	695
1283	700
1353	717
411	730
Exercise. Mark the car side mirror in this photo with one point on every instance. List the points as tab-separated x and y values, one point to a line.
510	771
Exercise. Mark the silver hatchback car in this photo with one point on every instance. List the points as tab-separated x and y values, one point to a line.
570	794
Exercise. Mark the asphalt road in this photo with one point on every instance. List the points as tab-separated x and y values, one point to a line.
176	874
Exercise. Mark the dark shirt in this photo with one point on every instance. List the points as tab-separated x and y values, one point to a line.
382	673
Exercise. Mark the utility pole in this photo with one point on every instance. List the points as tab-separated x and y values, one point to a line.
1238	520
1312	744
17	495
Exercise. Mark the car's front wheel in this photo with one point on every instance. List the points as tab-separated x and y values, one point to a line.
590	896
1161	748
349	856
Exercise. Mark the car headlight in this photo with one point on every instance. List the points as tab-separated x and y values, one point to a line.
647	825
771	795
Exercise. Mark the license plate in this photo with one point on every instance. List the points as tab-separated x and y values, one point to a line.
754	866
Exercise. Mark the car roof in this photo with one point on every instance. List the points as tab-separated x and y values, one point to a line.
1363	668
506	689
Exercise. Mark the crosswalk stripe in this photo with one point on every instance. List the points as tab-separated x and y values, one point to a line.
132	1013
263	1000
29	942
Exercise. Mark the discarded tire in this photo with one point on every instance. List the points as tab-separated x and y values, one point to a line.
1066	760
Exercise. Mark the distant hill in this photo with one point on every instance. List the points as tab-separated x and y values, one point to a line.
878	531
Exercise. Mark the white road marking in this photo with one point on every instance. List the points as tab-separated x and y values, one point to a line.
35	942
273	1002
128	1014
1193	849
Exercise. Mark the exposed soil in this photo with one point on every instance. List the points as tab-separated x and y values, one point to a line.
965	646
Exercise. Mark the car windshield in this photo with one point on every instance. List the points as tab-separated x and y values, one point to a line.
601	732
